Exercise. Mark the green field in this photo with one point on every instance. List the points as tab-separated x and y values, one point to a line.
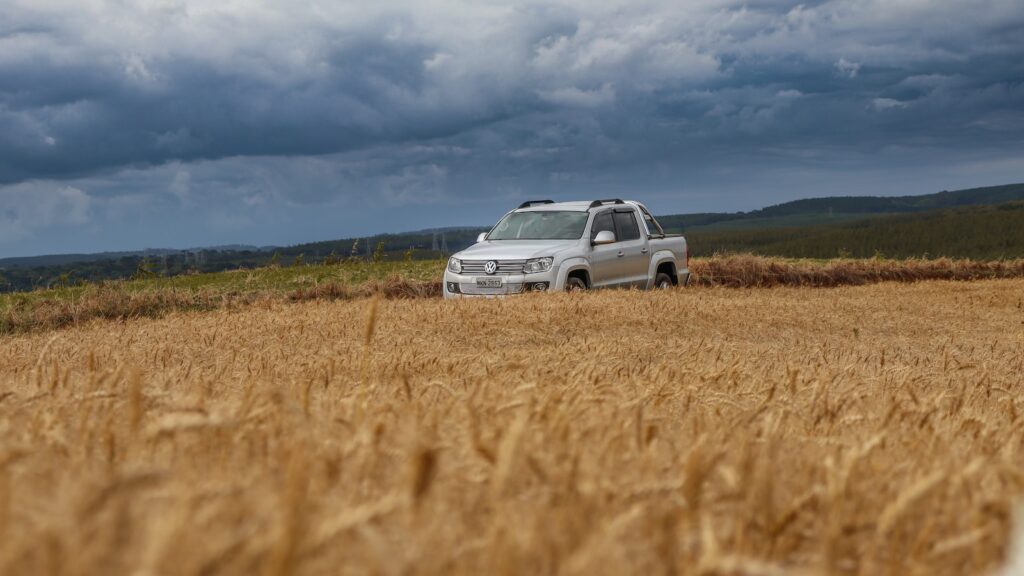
274	280
976	232
768	223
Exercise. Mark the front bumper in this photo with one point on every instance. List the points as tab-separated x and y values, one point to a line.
465	285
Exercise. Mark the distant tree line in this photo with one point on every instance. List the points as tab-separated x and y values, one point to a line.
977	232
418	246
981	233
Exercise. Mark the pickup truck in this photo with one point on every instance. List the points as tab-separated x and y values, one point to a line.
544	245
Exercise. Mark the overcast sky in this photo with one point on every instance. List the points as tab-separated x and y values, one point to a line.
167	123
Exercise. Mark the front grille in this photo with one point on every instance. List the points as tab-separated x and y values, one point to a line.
505	267
473	289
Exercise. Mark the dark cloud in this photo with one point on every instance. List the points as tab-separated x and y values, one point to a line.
259	122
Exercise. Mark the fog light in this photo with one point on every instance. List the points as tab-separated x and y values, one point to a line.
453	287
539	286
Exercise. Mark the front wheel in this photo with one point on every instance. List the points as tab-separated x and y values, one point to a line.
662	281
575	284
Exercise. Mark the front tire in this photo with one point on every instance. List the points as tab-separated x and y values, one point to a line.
575	284
662	281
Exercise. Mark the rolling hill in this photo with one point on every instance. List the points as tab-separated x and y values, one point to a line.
980	223
844	208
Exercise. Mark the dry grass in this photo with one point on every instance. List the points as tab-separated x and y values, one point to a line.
46	310
747	271
111	302
862	430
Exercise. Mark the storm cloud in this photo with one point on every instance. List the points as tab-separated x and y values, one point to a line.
172	123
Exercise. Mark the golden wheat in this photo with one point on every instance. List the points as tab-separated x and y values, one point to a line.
860	430
45	310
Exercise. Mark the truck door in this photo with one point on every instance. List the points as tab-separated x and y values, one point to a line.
633	254
605	269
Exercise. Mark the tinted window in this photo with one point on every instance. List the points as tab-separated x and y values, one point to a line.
626	223
602	222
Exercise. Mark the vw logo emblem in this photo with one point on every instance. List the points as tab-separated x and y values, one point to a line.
491	267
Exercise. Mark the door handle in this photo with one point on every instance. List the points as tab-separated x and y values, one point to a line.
621	254
643	250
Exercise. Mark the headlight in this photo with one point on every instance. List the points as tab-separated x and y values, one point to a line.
455	265
538	265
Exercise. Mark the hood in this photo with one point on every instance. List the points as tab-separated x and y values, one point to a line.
514	249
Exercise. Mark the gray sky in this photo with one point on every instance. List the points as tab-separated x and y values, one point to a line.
165	123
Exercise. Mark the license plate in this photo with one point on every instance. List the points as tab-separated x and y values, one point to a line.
488	282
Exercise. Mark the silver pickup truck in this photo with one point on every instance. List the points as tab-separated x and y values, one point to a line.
544	245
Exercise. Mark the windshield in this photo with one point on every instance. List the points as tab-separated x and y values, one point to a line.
542	225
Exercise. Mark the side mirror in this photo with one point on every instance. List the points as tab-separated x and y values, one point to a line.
603	237
481	237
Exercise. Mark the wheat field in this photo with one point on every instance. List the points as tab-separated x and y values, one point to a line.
856	430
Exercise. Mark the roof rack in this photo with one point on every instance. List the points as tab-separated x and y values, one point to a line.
597	203
529	203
